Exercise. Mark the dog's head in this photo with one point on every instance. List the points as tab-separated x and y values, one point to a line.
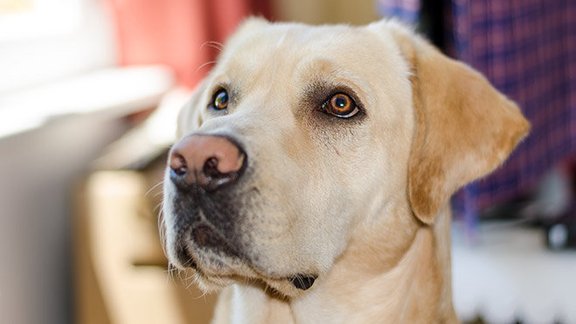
301	133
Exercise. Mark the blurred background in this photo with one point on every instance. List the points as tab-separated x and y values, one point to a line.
89	90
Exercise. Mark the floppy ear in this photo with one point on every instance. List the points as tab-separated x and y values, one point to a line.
464	129
190	117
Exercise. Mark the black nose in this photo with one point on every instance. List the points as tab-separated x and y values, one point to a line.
210	162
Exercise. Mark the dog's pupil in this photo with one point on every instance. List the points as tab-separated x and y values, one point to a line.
341	102
221	100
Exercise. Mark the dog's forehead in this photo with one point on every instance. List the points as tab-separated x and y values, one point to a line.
287	62
264	57
290	46
293	38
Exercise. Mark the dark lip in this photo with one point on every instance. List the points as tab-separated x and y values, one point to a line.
185	258
204	236
202	244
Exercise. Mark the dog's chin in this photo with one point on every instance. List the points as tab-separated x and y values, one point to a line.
214	271
218	261
279	288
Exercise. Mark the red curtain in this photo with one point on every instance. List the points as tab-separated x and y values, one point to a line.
177	33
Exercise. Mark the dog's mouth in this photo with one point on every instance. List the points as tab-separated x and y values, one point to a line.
206	237
218	263
211	236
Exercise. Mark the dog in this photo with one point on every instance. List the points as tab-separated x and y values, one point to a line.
312	175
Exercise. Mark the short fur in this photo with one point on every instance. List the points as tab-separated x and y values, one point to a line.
361	203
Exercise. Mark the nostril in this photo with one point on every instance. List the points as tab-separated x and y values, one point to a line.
178	164
210	168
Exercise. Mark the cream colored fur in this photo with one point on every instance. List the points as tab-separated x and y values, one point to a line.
362	203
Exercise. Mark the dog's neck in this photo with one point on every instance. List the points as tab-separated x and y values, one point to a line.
382	277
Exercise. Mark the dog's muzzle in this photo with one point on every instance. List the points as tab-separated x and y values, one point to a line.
205	171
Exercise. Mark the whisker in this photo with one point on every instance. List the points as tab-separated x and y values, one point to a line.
190	282
170	273
180	277
162	229
158	208
204	65
213	44
153	188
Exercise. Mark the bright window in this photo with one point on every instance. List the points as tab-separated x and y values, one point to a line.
43	41
22	19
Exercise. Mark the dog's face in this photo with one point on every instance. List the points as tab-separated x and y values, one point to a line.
299	135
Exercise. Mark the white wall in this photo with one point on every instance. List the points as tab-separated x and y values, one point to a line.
38	170
34	59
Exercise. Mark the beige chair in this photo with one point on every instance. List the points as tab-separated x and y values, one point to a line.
120	270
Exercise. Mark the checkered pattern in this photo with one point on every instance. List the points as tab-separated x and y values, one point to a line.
528	50
405	10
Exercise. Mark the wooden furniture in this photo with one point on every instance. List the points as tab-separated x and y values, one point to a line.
120	270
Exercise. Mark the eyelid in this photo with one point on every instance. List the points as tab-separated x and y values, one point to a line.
317	93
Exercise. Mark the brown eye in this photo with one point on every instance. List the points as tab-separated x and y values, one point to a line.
340	105
220	100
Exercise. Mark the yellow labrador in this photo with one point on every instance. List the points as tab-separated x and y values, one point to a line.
314	168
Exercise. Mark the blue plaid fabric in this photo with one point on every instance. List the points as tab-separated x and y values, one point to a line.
527	49
405	10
